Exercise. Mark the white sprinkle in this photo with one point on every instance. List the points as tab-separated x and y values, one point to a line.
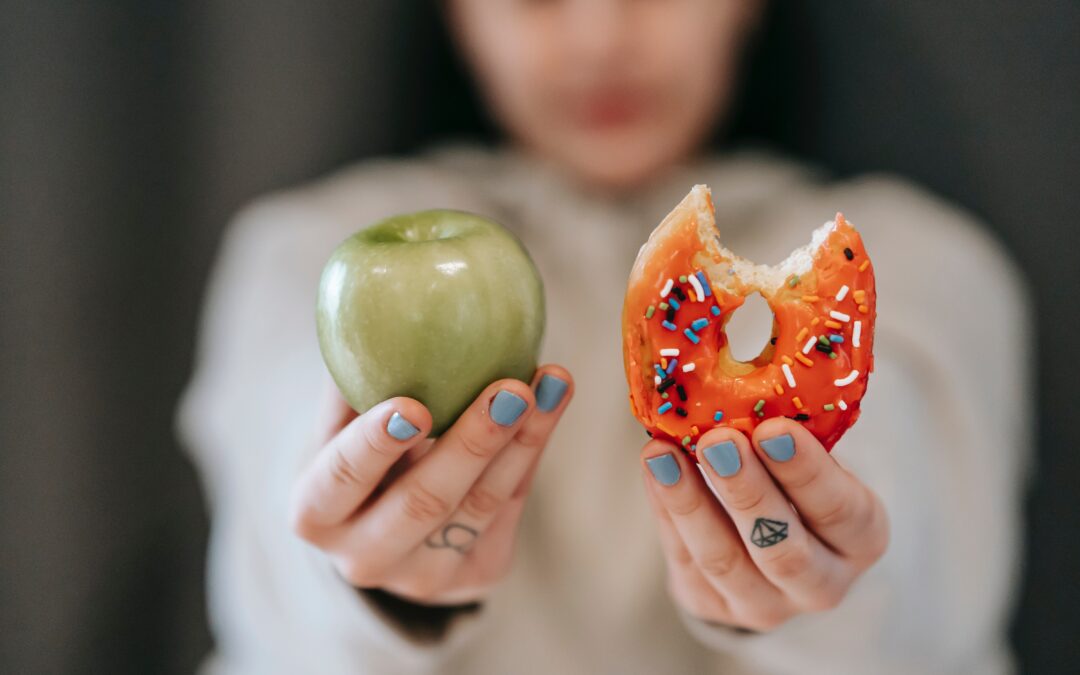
809	344
656	379
688	368
669	352
839	316
696	283
856	333
842	293
667	288
843	406
842	382
787	375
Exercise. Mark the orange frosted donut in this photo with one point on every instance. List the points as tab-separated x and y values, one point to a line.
682	291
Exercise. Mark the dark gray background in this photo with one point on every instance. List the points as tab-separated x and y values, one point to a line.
131	129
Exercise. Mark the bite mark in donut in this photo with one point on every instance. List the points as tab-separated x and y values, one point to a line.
683	289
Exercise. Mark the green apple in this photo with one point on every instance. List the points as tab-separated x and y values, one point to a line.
434	305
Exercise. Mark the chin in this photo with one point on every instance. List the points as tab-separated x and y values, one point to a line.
622	167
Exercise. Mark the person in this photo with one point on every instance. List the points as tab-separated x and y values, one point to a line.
544	531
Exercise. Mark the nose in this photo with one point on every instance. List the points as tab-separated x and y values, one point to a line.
596	31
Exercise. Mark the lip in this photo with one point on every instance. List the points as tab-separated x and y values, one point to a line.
608	109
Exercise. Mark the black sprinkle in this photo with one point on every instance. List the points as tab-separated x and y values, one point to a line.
680	412
772	341
849	254
823	348
679	293
671	314
664	384
682	392
802	417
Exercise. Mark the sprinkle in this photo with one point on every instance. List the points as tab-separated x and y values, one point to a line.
693	447
809	344
840	316
772	340
805	361
681	391
664	408
802	334
667	288
682	278
832	355
824	348
670	315
787	360
704	283
844	381
834	325
695	283
663	363
829	407
686	440
657	380
666	383
778	389
660	371
797	401
856	333
864	265
668	325
759	405
801	417
699	324
793	280
843	406
842	293
649	312
849	254
823	340
815	321
680	412
664	396
694	430
669	352
760	414
788	375
810	298
693	296
674	303
663	306
836	338
863	309
715	310
718	415
679	293
858	296
688	368
671	366
690	335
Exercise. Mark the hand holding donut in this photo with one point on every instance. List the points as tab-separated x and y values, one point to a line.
432	521
790	533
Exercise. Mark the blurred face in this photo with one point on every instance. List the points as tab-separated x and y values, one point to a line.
612	90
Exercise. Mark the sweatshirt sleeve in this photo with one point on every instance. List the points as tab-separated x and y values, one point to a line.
247	419
945	439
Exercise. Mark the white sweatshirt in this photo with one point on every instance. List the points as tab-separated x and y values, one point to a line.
944	437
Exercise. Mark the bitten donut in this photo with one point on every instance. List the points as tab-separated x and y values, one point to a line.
683	289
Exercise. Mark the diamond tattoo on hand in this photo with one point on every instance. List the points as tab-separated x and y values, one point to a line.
768	532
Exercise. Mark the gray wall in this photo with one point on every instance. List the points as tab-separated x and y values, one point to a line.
130	129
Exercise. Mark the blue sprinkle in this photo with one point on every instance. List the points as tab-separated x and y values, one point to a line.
668	325
660	371
699	324
704	284
664	408
693	447
836	338
671	366
715	310
690	334
674	303
718	416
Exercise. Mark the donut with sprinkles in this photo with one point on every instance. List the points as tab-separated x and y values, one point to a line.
683	289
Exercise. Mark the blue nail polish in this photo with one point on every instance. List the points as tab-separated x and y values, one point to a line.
507	407
400	428
549	392
664	469
723	458
780	449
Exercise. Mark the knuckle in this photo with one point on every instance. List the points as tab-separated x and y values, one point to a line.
482	443
480	503
379	444
791	562
837	514
685	506
747	498
532	436
423	505
343	470
720	564
812	475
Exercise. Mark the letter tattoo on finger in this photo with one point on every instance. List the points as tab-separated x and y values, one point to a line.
454	536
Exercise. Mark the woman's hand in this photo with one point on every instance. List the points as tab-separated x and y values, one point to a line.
430	521
792	529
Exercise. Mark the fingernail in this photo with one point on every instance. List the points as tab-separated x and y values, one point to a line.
507	407
723	458
549	392
400	428
664	469
780	448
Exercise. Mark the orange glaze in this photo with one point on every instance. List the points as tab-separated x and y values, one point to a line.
718	382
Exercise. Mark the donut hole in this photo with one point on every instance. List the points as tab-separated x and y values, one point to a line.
749	329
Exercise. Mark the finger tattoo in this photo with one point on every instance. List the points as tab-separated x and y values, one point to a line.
768	532
454	535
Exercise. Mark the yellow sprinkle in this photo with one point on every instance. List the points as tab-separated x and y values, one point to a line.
796	401
863	309
778	389
815	321
864	265
787	360
694	430
693	297
833	324
803	360
802	334
810	298
663	362
859	296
